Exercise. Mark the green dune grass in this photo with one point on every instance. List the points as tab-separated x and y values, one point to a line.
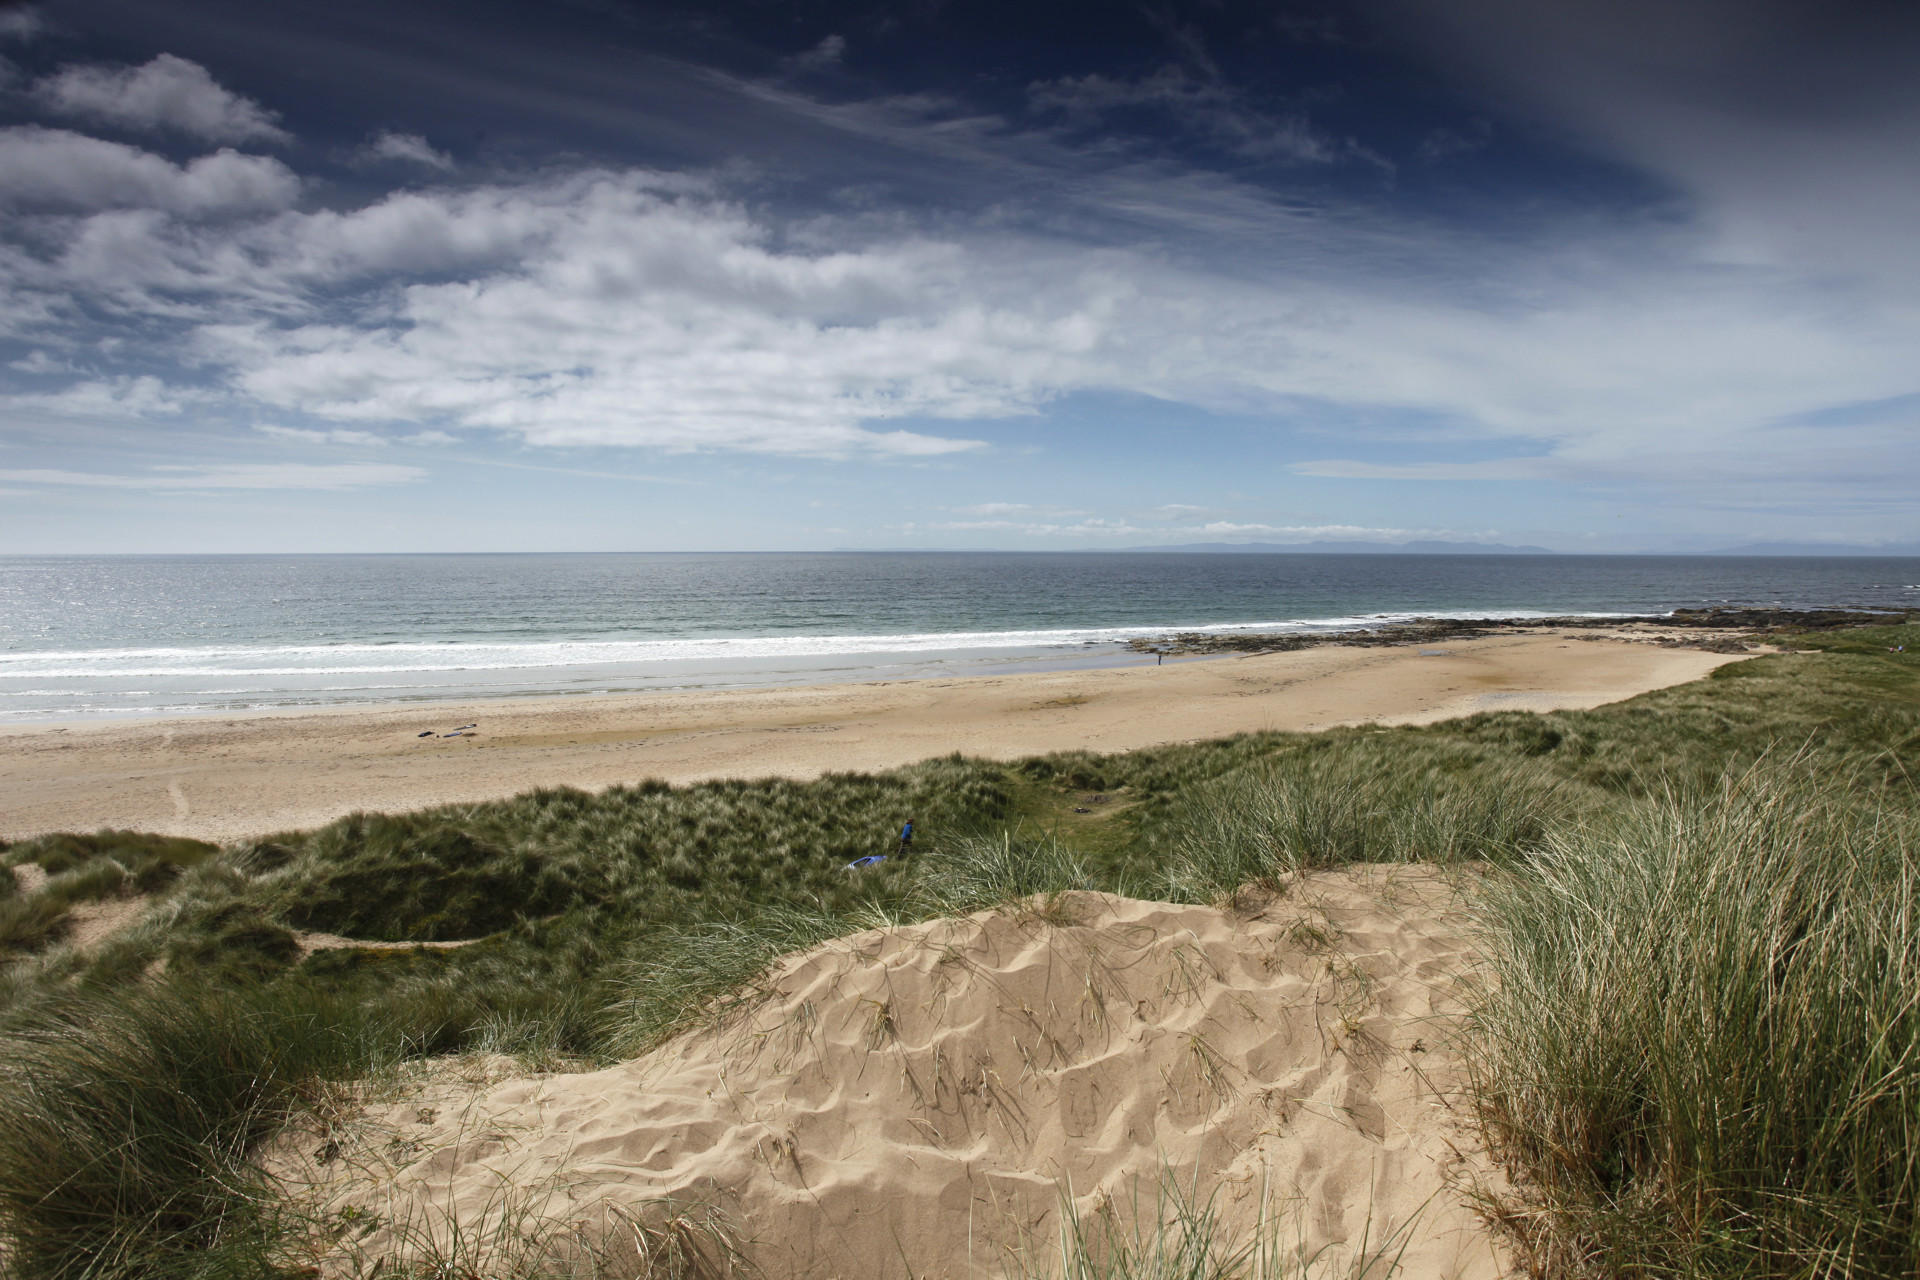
1701	1040
1696	1050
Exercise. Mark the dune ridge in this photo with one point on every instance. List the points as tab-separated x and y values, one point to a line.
915	1100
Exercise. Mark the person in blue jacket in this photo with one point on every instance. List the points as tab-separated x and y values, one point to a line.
906	836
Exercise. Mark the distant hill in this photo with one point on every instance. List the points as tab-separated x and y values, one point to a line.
1360	548
1818	549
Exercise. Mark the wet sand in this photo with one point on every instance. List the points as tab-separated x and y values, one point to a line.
231	777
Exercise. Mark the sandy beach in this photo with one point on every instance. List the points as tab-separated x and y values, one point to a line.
233	777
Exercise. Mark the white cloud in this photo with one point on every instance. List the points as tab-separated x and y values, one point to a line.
39	362
358	475
1013	509
1038	529
612	310
406	148
169	92
630	308
54	168
322	437
107	399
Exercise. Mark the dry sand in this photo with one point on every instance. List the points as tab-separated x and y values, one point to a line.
233	777
914	1101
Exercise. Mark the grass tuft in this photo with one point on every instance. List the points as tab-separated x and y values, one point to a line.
1699	1044
974	873
31	922
1382	799
129	1120
149	862
1183	1237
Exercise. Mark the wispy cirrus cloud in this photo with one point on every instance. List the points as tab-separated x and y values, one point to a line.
279	475
1493	469
1216	111
302	435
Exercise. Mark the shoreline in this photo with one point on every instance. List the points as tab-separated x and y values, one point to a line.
1718	628
237	776
1118	655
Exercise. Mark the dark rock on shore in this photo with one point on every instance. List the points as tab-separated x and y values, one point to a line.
1765	620
1756	623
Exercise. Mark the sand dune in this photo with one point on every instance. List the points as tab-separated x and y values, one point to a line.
233	777
913	1101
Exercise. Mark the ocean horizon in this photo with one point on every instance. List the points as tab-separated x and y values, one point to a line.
98	636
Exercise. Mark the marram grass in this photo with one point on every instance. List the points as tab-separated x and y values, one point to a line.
1179	1234
1693	1046
1385	799
1697	1043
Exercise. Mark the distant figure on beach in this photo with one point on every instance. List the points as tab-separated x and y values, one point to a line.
906	836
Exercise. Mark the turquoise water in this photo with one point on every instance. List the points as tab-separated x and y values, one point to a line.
135	634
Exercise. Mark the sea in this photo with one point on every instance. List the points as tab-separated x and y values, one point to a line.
100	636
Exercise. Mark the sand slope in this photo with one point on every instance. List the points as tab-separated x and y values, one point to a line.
903	1096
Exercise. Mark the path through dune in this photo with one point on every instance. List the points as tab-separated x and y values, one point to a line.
914	1101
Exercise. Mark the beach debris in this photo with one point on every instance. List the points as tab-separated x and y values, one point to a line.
861	864
426	734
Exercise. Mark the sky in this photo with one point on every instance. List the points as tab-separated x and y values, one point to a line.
612	275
